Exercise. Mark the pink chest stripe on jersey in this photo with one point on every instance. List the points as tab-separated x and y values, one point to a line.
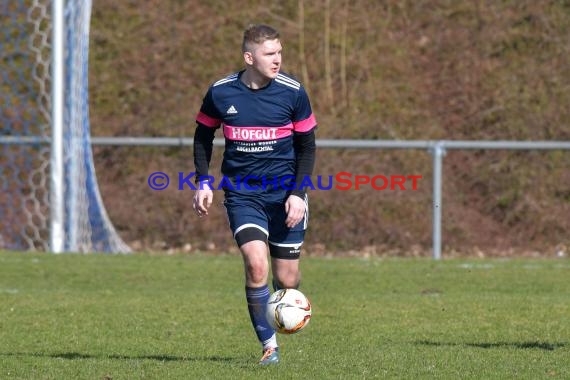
257	133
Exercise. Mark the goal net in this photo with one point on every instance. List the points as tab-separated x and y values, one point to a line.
26	197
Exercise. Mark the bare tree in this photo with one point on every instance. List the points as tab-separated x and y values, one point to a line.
327	52
302	56
343	43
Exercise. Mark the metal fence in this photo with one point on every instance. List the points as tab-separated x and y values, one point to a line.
437	148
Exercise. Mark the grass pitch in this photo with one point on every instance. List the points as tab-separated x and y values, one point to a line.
183	317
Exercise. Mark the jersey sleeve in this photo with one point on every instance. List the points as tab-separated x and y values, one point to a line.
303	118
209	115
203	146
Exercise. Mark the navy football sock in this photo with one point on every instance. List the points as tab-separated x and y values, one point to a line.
256	304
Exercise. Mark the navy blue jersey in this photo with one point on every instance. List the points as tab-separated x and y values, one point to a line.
258	125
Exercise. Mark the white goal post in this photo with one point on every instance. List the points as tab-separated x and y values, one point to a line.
57	209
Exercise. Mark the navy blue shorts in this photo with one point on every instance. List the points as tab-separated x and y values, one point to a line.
269	217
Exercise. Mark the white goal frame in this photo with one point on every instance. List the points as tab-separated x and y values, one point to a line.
57	236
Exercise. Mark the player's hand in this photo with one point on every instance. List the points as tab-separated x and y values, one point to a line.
202	200
295	209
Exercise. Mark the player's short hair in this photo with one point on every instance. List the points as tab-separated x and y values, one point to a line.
257	34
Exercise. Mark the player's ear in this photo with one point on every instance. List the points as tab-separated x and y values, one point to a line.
248	57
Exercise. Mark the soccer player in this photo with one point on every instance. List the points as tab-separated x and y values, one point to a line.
269	129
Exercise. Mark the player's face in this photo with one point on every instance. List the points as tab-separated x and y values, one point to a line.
266	58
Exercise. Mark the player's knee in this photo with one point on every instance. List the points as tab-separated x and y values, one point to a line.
255	261
256	274
256	270
289	282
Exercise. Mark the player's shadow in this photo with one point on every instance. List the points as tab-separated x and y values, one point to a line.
160	358
547	346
